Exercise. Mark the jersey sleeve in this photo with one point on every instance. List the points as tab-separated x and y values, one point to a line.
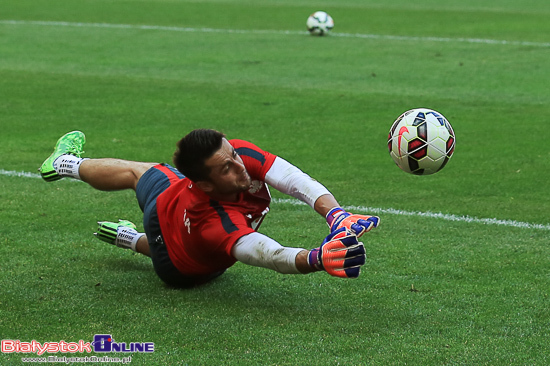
288	179
256	160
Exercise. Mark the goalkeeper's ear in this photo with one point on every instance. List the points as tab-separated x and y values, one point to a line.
205	186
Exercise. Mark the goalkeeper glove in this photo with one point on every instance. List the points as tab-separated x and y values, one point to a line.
340	255
358	224
122	234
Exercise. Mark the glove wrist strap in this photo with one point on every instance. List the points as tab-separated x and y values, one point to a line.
314	259
333	214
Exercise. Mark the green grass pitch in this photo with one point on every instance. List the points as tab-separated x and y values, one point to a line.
458	273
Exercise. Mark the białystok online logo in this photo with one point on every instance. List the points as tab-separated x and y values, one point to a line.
102	343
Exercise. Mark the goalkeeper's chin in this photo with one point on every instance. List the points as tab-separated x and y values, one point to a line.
245	182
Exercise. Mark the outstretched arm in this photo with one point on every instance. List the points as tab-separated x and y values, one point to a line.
258	250
340	255
324	204
290	180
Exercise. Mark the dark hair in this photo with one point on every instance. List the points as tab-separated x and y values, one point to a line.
194	149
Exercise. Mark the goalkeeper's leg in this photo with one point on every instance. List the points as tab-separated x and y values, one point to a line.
123	234
103	174
112	174
142	246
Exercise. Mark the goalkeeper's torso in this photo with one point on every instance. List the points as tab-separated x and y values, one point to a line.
200	232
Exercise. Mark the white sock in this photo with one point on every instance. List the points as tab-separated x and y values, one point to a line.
68	166
127	237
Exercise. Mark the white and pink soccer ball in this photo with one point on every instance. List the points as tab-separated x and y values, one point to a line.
421	141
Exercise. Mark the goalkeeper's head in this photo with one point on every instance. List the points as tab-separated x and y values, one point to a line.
208	159
194	149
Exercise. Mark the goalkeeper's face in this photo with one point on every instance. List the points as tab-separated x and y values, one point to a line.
228	175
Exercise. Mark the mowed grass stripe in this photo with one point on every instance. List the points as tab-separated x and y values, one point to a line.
370	210
282	32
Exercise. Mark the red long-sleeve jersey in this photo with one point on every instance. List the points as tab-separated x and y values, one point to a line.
200	232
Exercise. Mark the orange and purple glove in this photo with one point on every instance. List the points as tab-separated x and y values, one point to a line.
340	255
358	224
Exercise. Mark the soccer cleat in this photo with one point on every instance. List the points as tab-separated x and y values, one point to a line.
69	144
120	233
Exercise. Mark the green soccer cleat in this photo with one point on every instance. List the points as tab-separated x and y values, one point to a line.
71	143
116	233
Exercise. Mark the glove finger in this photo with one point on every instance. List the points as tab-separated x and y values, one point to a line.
348	240
339	245
355	261
352	272
359	228
368	224
331	236
375	220
346	270
355	251
370	220
336	257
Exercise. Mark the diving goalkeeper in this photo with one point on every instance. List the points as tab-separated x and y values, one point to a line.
202	217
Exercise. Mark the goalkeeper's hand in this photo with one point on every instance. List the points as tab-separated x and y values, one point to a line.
358	224
340	255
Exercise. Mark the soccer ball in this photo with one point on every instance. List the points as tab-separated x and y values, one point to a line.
319	23
421	141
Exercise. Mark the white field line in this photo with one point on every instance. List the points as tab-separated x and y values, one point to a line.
282	32
368	210
434	215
